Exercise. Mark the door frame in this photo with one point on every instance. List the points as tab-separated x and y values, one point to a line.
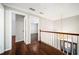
30	26
25	17
32	33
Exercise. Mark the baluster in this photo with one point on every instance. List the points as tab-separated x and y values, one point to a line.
72	44
62	41
77	45
40	36
63	44
52	39
57	40
67	44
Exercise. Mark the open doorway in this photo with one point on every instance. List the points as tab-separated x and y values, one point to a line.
19	28
18	41
20	45
34	28
34	32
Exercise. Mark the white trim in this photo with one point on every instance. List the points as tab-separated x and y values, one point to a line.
17	12
39	26
8	32
29	30
25	15
2	28
25	29
2	52
26	32
7	49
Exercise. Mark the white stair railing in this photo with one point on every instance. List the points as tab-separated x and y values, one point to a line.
66	43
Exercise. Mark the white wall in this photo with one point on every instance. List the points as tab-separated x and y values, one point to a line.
8	30
34	28
71	24
1	28
13	24
46	25
68	25
19	28
48	38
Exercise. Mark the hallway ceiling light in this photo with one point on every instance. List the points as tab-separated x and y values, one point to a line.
41	13
32	9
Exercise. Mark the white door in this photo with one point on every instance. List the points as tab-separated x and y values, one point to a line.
1	29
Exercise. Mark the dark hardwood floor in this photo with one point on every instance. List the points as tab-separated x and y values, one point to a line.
36	48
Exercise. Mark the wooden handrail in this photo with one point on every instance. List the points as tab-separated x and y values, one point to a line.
60	32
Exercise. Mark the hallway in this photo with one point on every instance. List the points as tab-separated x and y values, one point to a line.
54	32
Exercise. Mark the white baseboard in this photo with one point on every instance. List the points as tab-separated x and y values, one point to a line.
7	49
1	52
19	40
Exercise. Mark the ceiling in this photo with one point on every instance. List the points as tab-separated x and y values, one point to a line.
52	11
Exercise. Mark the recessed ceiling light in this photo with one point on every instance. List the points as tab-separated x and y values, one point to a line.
41	13
32	9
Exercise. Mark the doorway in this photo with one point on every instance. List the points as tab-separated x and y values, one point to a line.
34	28
34	32
18	43
19	28
19	34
